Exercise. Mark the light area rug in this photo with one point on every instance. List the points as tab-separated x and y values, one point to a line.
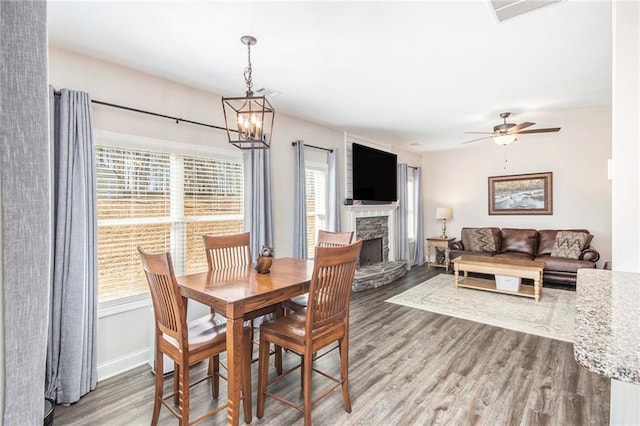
553	316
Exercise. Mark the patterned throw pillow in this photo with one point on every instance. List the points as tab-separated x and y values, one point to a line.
480	239
569	244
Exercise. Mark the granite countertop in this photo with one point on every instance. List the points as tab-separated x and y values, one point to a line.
607	328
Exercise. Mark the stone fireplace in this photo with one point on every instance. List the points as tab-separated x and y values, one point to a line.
375	225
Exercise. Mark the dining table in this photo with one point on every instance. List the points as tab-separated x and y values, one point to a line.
233	292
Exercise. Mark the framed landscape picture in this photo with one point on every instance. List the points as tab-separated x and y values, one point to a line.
521	194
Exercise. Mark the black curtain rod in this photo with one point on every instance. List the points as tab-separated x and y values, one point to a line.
155	114
312	146
412	167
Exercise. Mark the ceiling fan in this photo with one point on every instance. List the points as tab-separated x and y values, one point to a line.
505	133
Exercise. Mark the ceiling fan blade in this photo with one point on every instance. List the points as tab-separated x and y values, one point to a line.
479	133
521	126
549	130
479	139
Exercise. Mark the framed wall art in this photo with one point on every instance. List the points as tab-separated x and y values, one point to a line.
521	194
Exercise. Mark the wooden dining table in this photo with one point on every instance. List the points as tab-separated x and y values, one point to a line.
233	292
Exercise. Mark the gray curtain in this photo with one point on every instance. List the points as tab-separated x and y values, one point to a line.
403	216
333	192
258	198
25	208
299	203
419	256
71	353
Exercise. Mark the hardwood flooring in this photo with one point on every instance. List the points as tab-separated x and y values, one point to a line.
407	367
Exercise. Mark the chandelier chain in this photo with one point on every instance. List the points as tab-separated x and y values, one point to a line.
247	72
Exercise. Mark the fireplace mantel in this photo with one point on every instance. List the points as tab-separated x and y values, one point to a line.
374	210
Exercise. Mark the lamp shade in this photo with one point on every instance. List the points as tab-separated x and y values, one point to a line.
444	213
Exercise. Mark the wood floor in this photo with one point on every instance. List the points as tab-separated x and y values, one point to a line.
407	367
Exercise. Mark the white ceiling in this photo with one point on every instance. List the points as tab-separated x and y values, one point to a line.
413	74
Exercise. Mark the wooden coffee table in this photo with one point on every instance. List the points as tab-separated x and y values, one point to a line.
531	269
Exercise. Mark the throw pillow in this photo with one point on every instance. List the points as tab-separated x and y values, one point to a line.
480	239
569	244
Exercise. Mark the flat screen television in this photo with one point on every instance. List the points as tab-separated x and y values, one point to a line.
374	175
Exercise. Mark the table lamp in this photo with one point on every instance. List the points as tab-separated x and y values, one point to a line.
444	213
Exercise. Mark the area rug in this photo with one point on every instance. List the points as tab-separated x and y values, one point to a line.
552	316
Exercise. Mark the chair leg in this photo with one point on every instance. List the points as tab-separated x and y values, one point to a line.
277	362
176	384
344	372
306	391
251	336
263	370
246	377
302	371
159	387
214	372
184	393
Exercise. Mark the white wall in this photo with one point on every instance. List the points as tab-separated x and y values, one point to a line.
625	397
577	156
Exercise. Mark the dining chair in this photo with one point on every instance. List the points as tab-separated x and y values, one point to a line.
325	239
326	320
186	343
230	251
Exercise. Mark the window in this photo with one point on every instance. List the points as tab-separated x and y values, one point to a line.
316	187
161	202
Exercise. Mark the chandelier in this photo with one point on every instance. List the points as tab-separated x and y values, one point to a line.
249	119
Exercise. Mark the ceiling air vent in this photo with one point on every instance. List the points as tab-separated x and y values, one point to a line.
505	9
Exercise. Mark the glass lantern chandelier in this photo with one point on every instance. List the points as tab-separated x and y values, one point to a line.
249	119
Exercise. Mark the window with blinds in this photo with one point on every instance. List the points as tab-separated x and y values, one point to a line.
316	185
161	202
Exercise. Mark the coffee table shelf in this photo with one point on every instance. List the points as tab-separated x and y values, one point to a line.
490	285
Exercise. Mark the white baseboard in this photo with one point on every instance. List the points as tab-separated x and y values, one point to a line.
120	365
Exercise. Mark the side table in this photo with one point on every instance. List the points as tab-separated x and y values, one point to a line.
438	242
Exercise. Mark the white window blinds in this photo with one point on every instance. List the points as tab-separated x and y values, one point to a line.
161	202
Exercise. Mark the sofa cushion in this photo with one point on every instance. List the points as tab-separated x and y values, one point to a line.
519	240
564	265
547	238
513	255
569	244
480	239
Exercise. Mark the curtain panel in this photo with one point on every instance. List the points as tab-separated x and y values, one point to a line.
71	352
333	192
299	204
419	256
403	216
258	198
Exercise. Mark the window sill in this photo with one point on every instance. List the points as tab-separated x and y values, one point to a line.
125	304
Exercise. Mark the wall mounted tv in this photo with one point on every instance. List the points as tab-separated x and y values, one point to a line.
374	175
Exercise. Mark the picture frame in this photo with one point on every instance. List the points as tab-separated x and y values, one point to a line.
526	194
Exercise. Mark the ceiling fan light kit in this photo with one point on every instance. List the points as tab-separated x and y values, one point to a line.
505	133
249	119
505	139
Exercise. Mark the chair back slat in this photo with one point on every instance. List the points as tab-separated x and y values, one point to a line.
334	239
227	251
330	289
168	307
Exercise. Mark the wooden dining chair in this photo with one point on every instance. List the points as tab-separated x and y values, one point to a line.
326	320
231	251
185	343
325	239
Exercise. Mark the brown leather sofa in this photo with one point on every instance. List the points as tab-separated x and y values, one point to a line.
529	244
